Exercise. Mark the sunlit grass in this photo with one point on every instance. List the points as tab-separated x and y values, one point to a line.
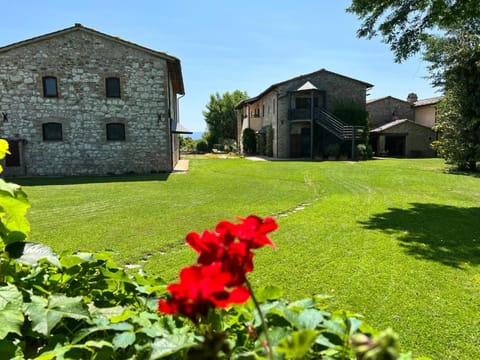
395	240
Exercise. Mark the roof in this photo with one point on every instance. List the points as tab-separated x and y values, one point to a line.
395	123
178	128
385	98
429	101
174	66
271	87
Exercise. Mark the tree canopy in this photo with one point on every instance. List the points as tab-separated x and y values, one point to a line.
455	65
448	34
221	117
405	24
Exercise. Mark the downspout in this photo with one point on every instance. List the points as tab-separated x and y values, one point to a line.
278	125
169	121
312	109
178	121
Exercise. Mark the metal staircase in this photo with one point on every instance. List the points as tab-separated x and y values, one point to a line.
337	127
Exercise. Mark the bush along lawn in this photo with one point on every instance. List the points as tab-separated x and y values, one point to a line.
83	306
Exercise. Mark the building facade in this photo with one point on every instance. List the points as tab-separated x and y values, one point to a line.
402	128
81	102
299	112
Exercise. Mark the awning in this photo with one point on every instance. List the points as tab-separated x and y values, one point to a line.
178	128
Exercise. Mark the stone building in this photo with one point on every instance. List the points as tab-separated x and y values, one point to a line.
81	102
299	113
402	128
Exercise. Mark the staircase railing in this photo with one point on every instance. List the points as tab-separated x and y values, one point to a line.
336	126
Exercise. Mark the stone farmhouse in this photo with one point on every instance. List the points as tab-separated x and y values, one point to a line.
81	102
299	113
402	128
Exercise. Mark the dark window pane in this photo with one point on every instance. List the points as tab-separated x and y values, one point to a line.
13	159
52	132
116	132
50	86
112	85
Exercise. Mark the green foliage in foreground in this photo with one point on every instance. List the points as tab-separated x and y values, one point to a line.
83	306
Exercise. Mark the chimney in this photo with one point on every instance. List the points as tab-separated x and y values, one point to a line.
411	98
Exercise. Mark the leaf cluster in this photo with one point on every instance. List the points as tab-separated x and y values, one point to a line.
404	25
221	117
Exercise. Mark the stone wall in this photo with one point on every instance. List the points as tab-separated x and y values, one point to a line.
335	89
81	61
273	106
388	109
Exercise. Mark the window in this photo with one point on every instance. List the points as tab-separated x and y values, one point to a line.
305	103
50	88
116	132
52	131
112	87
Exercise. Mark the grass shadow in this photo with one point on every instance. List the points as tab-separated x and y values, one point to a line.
74	180
446	234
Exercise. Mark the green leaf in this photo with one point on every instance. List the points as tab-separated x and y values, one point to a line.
47	313
268	293
123	340
297	344
31	253
69	261
8	350
310	318
58	353
14	205
171	344
11	314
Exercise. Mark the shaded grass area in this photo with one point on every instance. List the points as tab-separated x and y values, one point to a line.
395	240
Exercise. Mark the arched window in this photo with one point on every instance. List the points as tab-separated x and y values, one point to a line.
52	131
112	87
116	132
50	88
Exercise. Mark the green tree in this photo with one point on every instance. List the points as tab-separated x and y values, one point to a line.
405	25
455	61
447	32
249	141
221	117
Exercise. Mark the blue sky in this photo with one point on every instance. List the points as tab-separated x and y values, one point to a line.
225	45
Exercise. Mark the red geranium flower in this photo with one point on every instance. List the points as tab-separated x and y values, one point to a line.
219	277
202	288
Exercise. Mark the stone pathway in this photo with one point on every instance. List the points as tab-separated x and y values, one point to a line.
182	166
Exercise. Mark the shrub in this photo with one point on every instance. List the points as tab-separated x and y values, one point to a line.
249	141
333	150
202	146
361	151
269	139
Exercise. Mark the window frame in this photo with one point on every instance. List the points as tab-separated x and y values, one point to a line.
46	93
45	132
108	133
118	86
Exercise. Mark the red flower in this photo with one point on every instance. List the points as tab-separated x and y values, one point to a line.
202	288
252	230
219	277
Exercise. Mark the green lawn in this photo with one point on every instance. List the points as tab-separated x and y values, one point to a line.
395	240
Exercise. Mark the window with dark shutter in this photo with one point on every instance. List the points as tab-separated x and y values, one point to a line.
112	87
50	88
116	132
52	131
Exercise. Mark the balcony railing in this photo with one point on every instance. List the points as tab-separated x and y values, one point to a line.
303	114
